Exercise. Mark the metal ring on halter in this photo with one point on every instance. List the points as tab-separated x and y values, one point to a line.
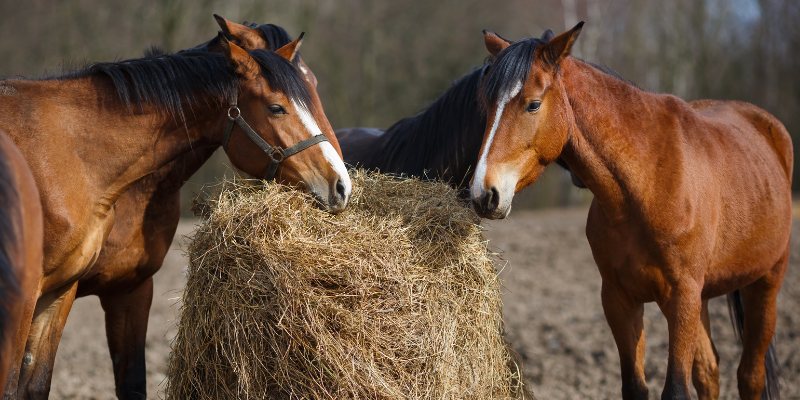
276	155
234	112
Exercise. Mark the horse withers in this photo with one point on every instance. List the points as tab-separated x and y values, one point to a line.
692	200
129	121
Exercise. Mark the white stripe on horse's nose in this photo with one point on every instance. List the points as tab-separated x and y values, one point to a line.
480	170
328	151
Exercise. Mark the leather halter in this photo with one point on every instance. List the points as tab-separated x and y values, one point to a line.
276	154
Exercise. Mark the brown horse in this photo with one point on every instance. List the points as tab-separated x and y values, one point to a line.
692	201
147	216
90	136
20	251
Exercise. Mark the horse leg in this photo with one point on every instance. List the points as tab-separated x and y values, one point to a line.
625	317
705	370
126	329
15	347
45	334
759	301
682	308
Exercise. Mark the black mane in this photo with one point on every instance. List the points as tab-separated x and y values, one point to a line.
181	83
275	36
440	142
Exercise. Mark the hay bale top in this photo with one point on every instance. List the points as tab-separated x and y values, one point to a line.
395	298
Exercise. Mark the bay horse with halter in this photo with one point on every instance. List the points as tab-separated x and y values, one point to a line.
20	250
440	142
692	200
92	135
147	216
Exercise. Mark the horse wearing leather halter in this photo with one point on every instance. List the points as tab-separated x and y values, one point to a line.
128	131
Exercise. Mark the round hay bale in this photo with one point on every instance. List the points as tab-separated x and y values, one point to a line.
395	298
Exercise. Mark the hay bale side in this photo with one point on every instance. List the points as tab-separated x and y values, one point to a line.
396	298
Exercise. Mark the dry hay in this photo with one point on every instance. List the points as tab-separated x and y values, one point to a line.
396	298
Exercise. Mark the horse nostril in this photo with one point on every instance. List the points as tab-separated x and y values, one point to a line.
491	199
340	189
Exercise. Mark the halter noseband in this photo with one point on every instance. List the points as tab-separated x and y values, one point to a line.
276	154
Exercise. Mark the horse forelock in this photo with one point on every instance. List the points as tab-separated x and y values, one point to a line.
511	67
283	76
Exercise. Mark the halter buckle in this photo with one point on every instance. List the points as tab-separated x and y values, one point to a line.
276	155
234	112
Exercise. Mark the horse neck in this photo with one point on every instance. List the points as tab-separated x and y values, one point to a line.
114	145
442	141
620	136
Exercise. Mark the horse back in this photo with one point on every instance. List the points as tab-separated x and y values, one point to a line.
763	123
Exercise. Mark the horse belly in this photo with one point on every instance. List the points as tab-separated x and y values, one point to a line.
746	253
755	215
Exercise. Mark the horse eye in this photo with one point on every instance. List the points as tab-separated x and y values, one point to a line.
276	109
534	106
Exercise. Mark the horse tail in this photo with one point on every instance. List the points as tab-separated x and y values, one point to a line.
772	387
9	214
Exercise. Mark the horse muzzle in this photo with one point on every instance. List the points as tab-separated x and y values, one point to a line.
332	197
489	204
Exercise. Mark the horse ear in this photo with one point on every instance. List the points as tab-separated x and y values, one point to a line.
494	43
559	47
289	50
245	66
547	35
244	36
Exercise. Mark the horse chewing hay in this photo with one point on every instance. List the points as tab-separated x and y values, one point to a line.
395	298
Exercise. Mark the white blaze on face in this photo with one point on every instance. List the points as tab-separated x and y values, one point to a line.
478	180
328	151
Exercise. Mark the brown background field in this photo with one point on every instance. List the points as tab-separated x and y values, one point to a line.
552	311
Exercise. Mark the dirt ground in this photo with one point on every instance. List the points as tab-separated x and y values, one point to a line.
553	316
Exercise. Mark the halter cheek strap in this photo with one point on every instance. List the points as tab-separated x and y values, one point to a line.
275	154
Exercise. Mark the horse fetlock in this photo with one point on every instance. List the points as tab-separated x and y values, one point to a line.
751	382
634	390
